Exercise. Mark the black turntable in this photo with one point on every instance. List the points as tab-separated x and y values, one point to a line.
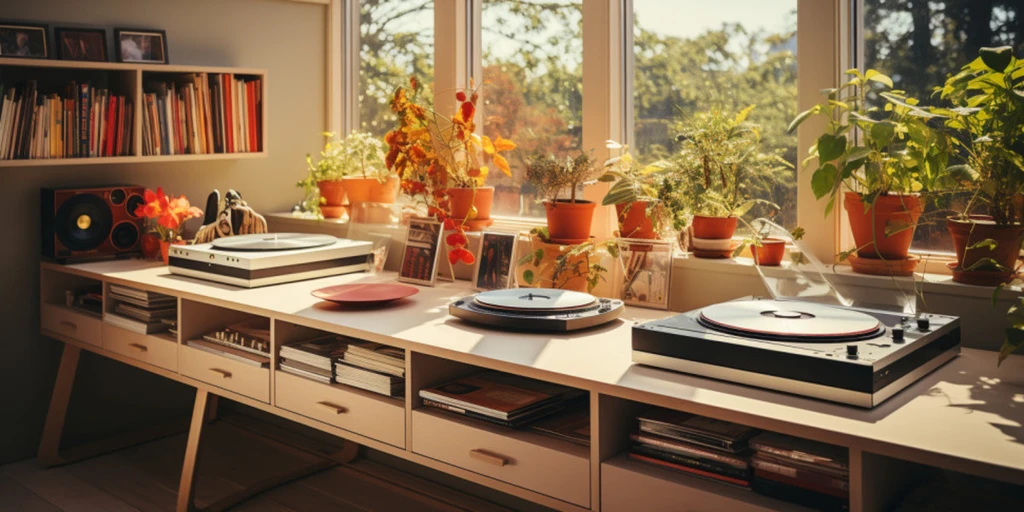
536	309
851	355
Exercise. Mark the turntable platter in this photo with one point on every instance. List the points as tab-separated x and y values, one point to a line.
541	299
273	242
789	320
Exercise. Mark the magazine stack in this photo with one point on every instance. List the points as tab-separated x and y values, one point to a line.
140	311
373	367
312	359
500	398
802	471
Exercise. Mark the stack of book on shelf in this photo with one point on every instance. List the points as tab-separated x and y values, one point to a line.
247	342
204	113
572	425
89	300
82	121
139	310
802	471
704	447
312	359
373	367
500	398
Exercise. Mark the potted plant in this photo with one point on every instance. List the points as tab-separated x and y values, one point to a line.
167	215
719	167
989	115
573	267
568	218
443	164
634	193
881	160
351	167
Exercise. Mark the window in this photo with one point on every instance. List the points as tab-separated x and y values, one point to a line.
532	62
917	44
396	41
689	55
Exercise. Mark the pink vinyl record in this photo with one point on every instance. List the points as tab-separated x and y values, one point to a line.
363	294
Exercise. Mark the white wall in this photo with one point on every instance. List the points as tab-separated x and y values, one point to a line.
286	38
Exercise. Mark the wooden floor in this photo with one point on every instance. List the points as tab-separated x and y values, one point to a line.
145	478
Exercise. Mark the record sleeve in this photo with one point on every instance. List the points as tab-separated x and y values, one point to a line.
693	471
803	450
496	394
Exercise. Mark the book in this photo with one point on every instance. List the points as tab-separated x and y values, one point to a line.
230	353
306	371
806	478
708	465
317	352
691	450
133	325
498	395
515	423
709	432
144	314
693	471
802	450
572	424
369	380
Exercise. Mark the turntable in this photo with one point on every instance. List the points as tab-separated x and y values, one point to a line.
536	309
252	261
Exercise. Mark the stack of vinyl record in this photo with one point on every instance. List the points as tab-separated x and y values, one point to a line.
246	342
500	398
700	446
807	472
312	359
373	367
139	310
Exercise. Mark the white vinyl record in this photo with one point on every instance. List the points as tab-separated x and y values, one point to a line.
272	242
789	319
535	299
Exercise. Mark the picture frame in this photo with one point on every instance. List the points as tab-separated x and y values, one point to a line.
24	40
85	44
495	262
141	46
647	275
419	258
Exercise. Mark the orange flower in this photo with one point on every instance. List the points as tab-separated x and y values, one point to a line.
460	254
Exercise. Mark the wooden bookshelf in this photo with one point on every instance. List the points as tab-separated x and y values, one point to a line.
129	79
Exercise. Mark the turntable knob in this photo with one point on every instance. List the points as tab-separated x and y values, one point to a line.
897	334
923	323
851	351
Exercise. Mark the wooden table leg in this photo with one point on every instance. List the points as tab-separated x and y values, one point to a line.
187	488
49	446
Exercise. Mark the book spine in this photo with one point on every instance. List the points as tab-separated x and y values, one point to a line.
692	471
801	456
690	451
229	118
695	462
804	475
83	120
469	414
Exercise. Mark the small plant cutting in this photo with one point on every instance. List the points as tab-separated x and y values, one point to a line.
721	171
987	98
881	160
568	217
565	267
443	164
351	167
166	215
635	193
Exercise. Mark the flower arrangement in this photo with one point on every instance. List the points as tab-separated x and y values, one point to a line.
169	213
433	154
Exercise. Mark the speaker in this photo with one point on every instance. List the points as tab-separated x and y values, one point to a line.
81	223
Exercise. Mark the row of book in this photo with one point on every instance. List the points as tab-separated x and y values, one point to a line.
798	470
140	311
361	364
247	342
83	121
205	113
88	300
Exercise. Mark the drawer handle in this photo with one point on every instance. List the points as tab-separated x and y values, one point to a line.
138	346
490	458
223	373
329	407
70	325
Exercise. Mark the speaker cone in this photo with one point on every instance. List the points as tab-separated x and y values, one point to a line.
125	235
117	196
83	222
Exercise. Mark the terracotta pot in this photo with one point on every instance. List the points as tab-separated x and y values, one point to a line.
463	199
982	227
150	246
898	212
713	227
358	189
569	222
634	222
386	192
544	273
165	249
770	253
333	194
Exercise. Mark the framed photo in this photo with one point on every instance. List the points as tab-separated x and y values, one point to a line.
24	40
493	267
144	46
81	44
419	260
648	272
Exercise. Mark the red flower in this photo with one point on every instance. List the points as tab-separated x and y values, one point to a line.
456	239
460	254
449	224
461	96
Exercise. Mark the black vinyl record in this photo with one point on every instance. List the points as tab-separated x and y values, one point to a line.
83	222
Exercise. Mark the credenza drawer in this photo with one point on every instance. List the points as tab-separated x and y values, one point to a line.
358	411
157	351
547	466
241	378
80	326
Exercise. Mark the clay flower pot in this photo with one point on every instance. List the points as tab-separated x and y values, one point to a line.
333	194
543	275
714	228
386	193
165	248
569	222
151	246
358	189
462	200
982	227
770	253
634	222
897	212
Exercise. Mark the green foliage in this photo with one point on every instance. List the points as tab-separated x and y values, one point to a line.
1015	332
571	262
360	153
551	175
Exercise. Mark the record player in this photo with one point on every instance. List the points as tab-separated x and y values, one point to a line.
536	309
816	344
252	261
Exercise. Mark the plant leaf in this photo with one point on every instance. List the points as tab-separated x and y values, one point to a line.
997	59
823	180
742	115
528	276
801	117
831	147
